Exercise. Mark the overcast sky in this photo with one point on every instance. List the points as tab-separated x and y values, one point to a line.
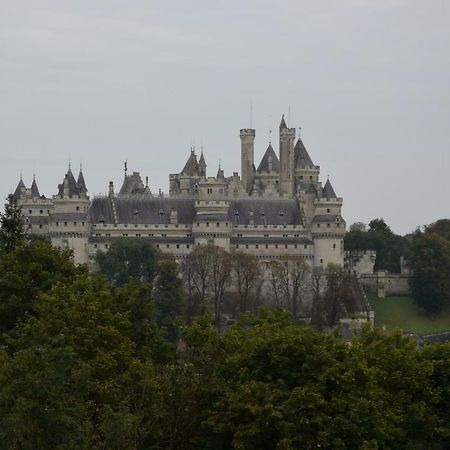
103	81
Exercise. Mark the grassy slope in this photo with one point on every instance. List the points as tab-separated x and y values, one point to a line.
401	312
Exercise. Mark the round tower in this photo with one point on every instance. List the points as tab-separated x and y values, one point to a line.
328	228
287	138
247	157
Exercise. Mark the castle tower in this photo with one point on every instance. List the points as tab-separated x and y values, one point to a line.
247	156
69	226
328	228
287	138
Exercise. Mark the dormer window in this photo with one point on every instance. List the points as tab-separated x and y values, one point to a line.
281	213
161	212
262	214
135	212
236	213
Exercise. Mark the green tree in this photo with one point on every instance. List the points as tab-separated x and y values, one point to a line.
282	386
25	273
440	227
169	296
76	377
12	230
379	237
430	265
134	300
128	258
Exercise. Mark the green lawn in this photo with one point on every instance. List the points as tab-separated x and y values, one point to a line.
401	312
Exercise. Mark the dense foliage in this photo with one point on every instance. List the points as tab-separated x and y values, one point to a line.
88	362
430	265
388	245
128	259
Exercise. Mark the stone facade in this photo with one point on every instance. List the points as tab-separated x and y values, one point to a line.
280	209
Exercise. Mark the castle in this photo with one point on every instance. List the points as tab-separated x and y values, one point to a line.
277	210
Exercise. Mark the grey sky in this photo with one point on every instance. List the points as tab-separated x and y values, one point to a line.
101	81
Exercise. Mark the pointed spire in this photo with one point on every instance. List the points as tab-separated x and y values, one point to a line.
269	156
220	174
19	187
328	191
283	123
191	166
301	156
202	161
81	185
34	189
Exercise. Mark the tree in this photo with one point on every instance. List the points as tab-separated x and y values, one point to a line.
207	273
12	230
440	227
389	247
127	259
338	294
358	226
282	386
169	296
135	300
430	266
289	280
248	275
25	273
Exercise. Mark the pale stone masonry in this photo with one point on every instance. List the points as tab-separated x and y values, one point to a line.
279	209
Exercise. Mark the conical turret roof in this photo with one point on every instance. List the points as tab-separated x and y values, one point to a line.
301	156
18	190
220	175
283	123
264	164
81	185
34	189
73	189
202	161
191	166
328	191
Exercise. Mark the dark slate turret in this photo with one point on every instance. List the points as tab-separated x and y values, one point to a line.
328	191
18	190
34	189
220	175
73	189
283	123
301	156
269	157
81	185
191	166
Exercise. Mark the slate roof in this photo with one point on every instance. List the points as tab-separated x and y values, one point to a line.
74	191
34	189
301	156
202	161
132	184
18	190
81	185
152	210
264	164
156	210
265	211
328	191
191	166
283	123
